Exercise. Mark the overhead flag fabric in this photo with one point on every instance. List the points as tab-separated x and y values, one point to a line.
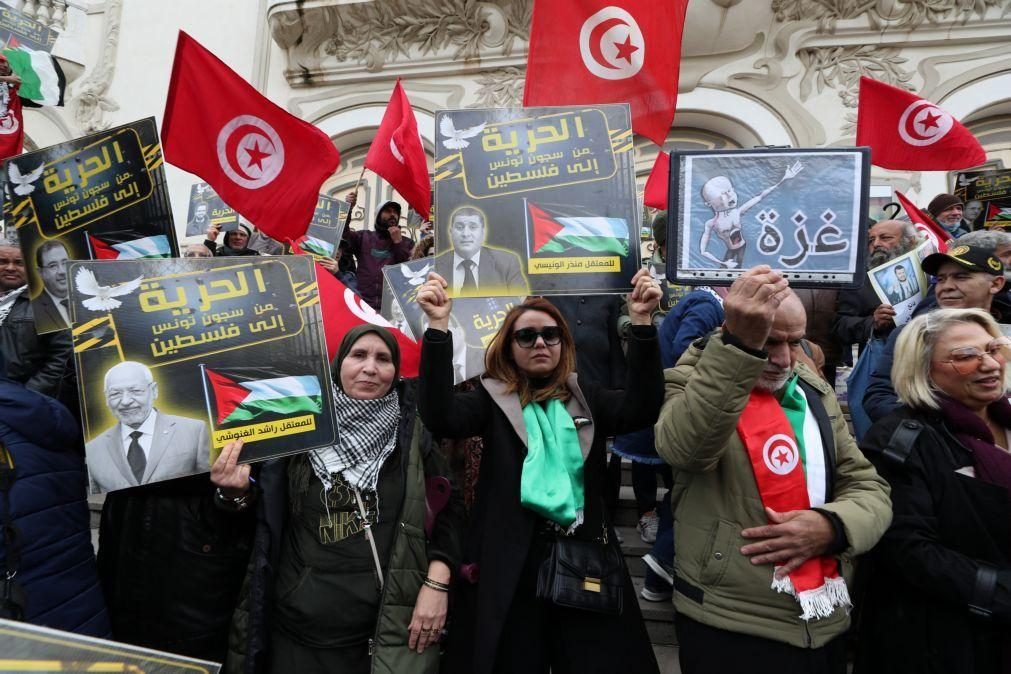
12	126
42	78
343	310
909	133
608	51
925	224
397	155
655	194
113	246
558	233
241	397
261	160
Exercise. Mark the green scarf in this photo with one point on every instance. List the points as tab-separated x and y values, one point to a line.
552	481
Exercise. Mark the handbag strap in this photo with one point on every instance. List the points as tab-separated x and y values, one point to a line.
370	537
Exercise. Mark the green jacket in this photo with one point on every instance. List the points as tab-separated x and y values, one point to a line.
405	567
715	497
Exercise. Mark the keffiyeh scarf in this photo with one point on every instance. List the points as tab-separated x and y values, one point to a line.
7	303
366	436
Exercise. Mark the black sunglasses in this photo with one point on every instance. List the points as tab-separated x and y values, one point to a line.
527	337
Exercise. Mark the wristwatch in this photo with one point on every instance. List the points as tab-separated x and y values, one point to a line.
233	503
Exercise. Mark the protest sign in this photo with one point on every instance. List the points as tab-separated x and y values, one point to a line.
536	201
324	234
986	199
799	211
473	321
220	349
30	648
901	283
206	209
102	196
17	29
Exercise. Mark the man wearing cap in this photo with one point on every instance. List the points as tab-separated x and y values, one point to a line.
968	277
946	209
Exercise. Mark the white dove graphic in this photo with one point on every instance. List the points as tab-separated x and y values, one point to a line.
23	183
102	296
453	139
415	278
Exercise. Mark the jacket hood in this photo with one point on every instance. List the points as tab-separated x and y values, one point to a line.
381	228
21	409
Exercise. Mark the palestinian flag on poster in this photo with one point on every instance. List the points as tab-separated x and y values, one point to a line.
998	216
311	244
114	246
554	232
42	79
241	394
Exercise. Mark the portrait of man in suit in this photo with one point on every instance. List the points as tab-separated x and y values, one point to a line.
145	445
900	287
473	269
51	306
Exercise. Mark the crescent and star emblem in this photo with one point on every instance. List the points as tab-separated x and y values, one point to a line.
781	454
362	310
923	123
611	44
250	151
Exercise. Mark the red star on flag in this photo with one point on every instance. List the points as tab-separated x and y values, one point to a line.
782	456
626	49
929	121
256	155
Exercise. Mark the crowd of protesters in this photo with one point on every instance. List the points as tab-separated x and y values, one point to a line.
782	533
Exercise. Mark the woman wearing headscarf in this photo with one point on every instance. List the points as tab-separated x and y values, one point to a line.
344	576
236	241
540	494
939	586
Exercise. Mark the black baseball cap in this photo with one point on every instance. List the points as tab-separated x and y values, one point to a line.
972	258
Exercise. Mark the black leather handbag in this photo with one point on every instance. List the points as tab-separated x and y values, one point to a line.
584	575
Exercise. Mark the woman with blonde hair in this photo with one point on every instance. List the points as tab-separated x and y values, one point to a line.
544	585
939	593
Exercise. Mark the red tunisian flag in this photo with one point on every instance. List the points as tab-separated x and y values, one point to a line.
343	310
926	224
655	194
908	133
12	126
608	51
396	153
262	161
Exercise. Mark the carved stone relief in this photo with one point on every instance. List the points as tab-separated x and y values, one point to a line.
901	14
500	88
90	101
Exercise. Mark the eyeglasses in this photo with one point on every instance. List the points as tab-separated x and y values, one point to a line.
967	359
527	337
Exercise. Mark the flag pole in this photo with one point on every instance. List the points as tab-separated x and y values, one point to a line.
210	417
360	176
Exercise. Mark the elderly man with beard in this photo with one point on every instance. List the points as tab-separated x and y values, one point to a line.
861	313
38	361
375	250
772	498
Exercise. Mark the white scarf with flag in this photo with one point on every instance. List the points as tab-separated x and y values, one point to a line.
784	444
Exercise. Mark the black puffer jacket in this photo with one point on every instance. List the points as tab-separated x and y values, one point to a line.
947	526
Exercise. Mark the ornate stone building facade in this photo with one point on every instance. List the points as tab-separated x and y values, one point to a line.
754	72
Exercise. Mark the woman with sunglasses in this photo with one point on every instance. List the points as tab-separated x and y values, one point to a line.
939	590
542	481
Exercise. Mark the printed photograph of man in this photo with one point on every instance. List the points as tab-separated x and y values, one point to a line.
146	445
970	214
473	269
51	305
898	282
198	224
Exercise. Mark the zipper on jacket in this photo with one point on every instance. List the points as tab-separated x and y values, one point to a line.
372	647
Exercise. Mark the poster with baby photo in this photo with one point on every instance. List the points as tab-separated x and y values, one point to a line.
801	212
